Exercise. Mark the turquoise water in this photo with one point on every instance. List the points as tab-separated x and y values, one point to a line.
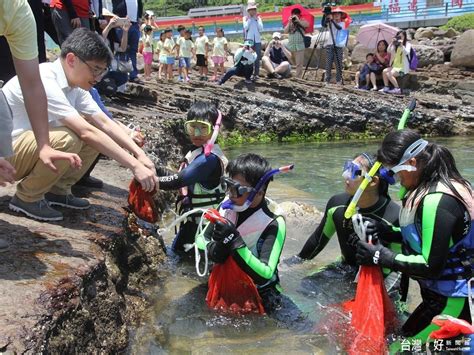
179	322
318	166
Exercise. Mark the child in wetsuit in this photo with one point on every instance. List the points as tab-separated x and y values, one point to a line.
199	178
254	236
374	204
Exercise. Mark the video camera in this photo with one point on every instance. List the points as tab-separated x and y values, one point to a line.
327	7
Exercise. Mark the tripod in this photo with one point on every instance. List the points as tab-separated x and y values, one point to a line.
316	44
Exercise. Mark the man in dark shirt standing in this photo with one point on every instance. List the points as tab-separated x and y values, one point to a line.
275	58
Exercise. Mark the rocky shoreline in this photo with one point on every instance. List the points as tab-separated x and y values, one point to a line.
76	286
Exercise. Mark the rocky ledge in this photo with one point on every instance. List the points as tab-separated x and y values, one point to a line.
77	285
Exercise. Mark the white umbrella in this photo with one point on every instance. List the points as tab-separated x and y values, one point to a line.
370	35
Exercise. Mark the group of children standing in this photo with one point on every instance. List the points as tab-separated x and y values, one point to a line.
184	50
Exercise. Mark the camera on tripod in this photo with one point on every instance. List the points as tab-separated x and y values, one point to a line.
327	7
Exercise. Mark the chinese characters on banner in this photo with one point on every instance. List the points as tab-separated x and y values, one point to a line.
412	5
394	6
456	3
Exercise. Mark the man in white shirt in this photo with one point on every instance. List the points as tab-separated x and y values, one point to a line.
76	125
253	25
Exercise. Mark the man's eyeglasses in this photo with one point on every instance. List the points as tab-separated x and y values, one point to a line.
98	73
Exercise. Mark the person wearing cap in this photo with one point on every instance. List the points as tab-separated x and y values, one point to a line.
336	22
253	25
244	60
436	222
295	29
275	58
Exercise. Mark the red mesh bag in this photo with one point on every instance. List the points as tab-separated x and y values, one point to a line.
373	314
232	290
141	202
450	327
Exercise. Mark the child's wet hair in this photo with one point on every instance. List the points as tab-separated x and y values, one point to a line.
251	166
202	110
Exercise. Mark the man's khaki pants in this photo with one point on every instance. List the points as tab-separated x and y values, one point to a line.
36	178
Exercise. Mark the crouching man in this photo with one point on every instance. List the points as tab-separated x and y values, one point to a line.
76	125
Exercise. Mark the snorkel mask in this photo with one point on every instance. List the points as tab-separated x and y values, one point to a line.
352	171
229	205
412	151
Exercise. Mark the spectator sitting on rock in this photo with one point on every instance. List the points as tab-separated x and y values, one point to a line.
275	58
382	58
362	77
399	51
244	60
76	124
116	78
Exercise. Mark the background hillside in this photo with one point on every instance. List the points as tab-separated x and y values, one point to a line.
181	7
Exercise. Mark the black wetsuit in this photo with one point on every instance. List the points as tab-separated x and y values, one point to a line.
205	170
385	211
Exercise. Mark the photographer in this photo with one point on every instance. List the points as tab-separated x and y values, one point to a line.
244	60
275	58
337	22
115	79
295	29
399	51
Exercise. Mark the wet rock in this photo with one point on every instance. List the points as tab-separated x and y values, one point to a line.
428	55
463	52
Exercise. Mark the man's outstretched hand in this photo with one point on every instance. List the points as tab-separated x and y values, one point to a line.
49	155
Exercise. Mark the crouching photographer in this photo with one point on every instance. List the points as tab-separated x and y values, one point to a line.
275	58
244	60
336	21
295	29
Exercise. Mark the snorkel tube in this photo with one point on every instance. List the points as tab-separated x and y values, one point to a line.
229	205
351	209
210	143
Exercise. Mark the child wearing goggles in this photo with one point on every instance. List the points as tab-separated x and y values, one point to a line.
198	180
255	236
436	222
375	205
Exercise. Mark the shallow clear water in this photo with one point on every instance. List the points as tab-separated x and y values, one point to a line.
180	322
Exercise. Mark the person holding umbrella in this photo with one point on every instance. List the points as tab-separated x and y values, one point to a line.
252	27
295	27
337	21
